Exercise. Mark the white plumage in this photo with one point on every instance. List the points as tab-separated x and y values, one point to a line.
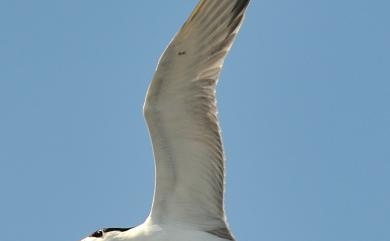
181	114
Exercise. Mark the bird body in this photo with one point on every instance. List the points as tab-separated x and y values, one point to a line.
154	232
181	114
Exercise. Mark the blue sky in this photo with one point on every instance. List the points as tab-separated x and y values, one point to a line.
303	99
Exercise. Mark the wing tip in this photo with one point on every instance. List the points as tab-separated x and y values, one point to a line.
240	6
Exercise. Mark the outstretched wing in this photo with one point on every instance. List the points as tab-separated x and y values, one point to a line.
181	114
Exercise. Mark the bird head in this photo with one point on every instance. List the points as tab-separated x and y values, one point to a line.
106	234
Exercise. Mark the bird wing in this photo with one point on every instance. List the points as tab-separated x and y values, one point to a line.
181	114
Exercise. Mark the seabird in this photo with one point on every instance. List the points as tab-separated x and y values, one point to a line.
181	114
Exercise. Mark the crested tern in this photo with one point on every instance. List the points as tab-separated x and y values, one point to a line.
181	115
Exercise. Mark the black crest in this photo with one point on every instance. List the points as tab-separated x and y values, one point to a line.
99	233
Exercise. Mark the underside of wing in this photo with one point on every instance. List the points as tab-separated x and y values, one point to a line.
181	115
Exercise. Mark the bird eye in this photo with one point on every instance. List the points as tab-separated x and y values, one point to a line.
97	234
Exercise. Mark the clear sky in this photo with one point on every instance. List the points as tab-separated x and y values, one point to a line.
303	99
